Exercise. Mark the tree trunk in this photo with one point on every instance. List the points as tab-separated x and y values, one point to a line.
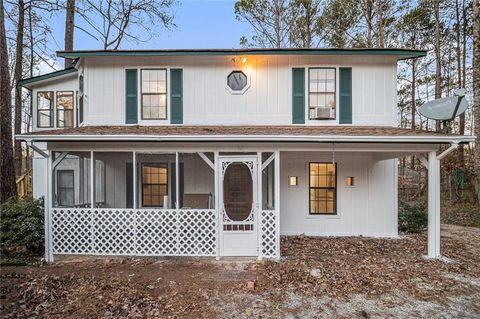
368	17
476	93
7	172
69	28
458	51
438	66
17	76
379	26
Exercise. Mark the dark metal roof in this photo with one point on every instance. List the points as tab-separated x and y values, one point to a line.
400	53
43	77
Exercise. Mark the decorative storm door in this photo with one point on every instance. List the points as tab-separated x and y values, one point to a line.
238	206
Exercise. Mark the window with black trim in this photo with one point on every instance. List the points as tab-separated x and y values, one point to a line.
321	93
65	109
154	184
154	94
323	188
45	109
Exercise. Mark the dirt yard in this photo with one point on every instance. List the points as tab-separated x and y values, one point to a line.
316	278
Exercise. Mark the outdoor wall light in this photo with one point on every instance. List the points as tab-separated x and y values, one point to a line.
293	181
350	181
244	60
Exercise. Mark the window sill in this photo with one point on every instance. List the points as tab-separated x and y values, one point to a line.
323	216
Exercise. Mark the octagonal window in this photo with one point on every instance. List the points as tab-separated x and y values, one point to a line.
237	81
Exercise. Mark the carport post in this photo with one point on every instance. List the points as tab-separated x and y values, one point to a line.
433	205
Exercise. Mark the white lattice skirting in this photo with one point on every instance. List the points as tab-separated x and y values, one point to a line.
140	232
269	234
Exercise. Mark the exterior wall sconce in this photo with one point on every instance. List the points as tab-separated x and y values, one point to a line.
293	180
350	181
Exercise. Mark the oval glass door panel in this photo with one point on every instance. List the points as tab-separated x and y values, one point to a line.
237	191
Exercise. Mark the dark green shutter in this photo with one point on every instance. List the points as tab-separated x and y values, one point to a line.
131	111
345	95
176	96
298	96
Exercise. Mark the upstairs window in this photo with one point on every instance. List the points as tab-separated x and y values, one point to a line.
154	94
45	109
65	109
321	93
323	188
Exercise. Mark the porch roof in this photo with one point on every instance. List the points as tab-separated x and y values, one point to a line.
286	133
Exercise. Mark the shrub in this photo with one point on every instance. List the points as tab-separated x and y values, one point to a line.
412	217
21	228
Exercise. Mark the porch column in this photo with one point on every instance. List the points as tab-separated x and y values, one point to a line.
277	199
433	205
48	210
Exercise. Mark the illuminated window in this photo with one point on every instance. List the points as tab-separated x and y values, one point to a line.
323	188
154	184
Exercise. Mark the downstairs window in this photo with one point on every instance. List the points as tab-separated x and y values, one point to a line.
323	188
154	184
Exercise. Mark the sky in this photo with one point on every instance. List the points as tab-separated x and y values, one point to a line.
200	24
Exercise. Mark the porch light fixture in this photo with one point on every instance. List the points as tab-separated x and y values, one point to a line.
244	60
293	180
350	181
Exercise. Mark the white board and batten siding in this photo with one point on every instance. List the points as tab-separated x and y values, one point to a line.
369	208
267	101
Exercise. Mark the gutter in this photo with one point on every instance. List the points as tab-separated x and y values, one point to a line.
250	138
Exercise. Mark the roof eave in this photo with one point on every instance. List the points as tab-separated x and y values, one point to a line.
401	54
252	138
30	82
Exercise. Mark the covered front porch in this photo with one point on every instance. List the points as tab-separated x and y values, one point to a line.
224	191
163	203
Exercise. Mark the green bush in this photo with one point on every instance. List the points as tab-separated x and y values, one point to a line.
412	218
21	228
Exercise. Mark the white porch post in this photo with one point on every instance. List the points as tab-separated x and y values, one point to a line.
48	210
92	180
277	199
177	187
258	221
134	167
216	201
433	205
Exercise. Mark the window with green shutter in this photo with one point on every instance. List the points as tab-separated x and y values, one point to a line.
131	102
345	95
176	96
298	96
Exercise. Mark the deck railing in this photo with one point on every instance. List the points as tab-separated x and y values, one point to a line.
134	232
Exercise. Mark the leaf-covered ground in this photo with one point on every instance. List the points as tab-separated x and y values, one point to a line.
316	278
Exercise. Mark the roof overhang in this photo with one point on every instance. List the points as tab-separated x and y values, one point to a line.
400	54
438	139
53	76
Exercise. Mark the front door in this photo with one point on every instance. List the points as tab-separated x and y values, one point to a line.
238	206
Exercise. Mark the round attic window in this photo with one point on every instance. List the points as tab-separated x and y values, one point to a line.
237	82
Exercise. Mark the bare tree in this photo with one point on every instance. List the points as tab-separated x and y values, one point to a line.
17	75
476	92
7	172
270	20
114	21
69	29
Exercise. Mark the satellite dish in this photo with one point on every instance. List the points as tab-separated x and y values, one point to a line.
445	109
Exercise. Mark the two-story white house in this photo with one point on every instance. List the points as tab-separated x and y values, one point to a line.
219	152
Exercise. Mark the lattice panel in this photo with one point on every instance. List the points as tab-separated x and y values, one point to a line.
139	232
71	231
197	233
157	233
269	241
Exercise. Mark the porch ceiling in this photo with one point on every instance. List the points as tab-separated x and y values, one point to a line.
287	133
